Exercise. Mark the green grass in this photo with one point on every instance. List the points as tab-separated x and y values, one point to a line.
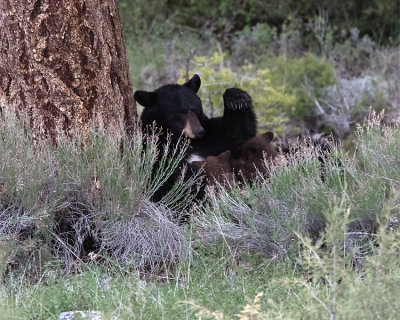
289	246
218	287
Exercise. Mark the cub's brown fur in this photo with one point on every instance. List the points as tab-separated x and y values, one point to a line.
222	169
254	152
217	169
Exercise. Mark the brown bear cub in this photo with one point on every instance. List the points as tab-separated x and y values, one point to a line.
222	169
217	169
254	153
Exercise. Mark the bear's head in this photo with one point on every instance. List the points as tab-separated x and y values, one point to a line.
217	169
253	153
174	107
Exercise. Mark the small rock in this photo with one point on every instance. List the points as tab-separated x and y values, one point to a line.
74	315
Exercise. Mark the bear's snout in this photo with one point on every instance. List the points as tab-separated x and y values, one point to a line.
193	129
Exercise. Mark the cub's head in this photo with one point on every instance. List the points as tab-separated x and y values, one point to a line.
174	107
256	149
253	153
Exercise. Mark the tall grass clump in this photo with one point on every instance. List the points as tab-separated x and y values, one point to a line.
336	285
263	217
71	202
296	197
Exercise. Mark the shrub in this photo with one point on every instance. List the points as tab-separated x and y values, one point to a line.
345	277
252	43
296	74
371	17
270	102
74	203
264	217
347	102
279	93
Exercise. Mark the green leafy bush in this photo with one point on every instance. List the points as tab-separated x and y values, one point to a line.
270	102
301	76
280	93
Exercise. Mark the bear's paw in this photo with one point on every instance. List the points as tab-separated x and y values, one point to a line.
236	99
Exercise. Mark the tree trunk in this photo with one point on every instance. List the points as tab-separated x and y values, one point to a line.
63	66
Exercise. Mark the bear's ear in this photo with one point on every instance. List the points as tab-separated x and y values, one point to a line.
269	135
194	83
145	98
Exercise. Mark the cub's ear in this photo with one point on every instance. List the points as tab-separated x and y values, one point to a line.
145	98
269	135
225	156
198	164
194	83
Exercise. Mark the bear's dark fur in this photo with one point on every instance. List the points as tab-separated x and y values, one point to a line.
254	153
176	109
173	108
230	131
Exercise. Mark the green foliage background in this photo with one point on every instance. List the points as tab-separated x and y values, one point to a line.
276	94
308	65
378	19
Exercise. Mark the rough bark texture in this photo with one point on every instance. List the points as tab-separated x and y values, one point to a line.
63	66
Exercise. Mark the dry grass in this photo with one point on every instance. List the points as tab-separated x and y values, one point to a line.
81	204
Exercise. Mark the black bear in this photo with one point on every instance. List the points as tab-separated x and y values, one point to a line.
177	110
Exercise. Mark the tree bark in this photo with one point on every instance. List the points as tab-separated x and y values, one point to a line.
63	66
